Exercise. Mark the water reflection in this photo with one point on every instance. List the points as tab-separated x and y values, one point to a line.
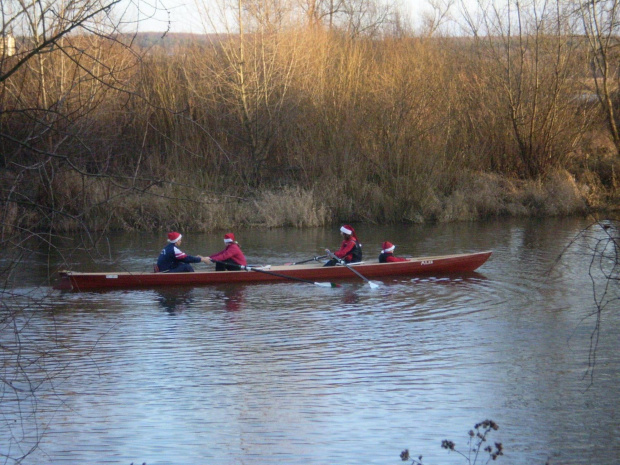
233	297
350	296
175	301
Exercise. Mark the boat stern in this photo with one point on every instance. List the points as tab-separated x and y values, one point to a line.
63	283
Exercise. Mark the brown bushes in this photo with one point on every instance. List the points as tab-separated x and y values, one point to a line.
323	128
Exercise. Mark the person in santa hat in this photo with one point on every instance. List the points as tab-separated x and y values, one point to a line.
350	250
387	254
173	260
231	258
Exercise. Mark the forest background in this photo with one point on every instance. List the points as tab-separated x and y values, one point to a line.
305	112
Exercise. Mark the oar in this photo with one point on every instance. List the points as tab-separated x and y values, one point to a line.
252	268
372	285
309	260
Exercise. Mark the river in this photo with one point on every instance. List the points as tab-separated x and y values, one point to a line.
295	374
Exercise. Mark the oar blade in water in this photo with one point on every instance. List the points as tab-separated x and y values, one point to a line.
327	284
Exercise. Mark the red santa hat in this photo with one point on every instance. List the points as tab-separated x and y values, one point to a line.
230	237
174	237
346	229
388	247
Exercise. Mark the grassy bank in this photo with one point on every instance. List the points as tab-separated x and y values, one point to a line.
97	204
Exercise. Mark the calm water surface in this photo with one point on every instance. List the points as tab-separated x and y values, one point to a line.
291	373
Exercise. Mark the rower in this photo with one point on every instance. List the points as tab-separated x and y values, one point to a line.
231	258
350	250
173	260
387	254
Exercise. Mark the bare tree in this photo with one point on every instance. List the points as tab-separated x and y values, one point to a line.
532	70
604	272
356	17
250	74
600	241
437	16
600	20
69	57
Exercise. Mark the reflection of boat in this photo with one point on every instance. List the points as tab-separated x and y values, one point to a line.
444	264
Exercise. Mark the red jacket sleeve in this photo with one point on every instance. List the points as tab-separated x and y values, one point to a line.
345	249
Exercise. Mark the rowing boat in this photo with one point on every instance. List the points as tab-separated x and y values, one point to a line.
437	265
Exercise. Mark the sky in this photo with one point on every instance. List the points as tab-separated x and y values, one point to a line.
183	16
161	15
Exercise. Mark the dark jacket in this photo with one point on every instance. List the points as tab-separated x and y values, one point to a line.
172	257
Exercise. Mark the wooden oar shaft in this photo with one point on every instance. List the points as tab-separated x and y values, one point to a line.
294	278
342	262
281	275
310	260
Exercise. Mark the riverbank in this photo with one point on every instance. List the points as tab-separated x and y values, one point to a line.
466	196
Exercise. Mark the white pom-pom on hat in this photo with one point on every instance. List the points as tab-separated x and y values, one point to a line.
388	247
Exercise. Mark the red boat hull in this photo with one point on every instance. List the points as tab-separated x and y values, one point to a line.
445	264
